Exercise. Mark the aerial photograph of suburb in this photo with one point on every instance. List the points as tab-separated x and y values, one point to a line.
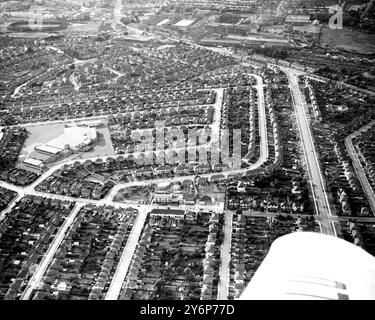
219	150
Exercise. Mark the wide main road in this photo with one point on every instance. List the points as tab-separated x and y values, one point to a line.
366	186
117	11
321	202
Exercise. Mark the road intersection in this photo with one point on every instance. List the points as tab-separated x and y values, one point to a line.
367	188
322	205
120	274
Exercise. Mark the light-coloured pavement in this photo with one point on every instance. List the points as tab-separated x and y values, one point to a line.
121	271
317	183
358	219
17	89
133	239
223	286
126	257
215	135
43	265
262	159
366	186
262	119
45	123
321	203
11	205
117	11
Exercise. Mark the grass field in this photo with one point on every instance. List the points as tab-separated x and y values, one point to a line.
349	40
134	194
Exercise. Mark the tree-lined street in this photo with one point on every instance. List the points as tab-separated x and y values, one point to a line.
321	203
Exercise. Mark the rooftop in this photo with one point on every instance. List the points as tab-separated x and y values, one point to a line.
167	212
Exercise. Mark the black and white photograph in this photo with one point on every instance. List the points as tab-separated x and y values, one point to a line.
186	157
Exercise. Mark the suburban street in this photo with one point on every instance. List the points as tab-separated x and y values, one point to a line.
369	192
262	120
223	286
123	266
215	137
127	253
320	198
158	150
10	206
321	203
117	11
324	217
43	265
126	256
215	126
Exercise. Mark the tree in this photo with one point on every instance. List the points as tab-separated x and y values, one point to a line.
148	268
187	270
192	286
168	272
180	270
190	276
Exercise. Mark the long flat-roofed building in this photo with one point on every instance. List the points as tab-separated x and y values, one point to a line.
34	164
179	214
297	18
73	138
47	149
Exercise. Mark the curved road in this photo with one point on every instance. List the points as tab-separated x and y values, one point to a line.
125	260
